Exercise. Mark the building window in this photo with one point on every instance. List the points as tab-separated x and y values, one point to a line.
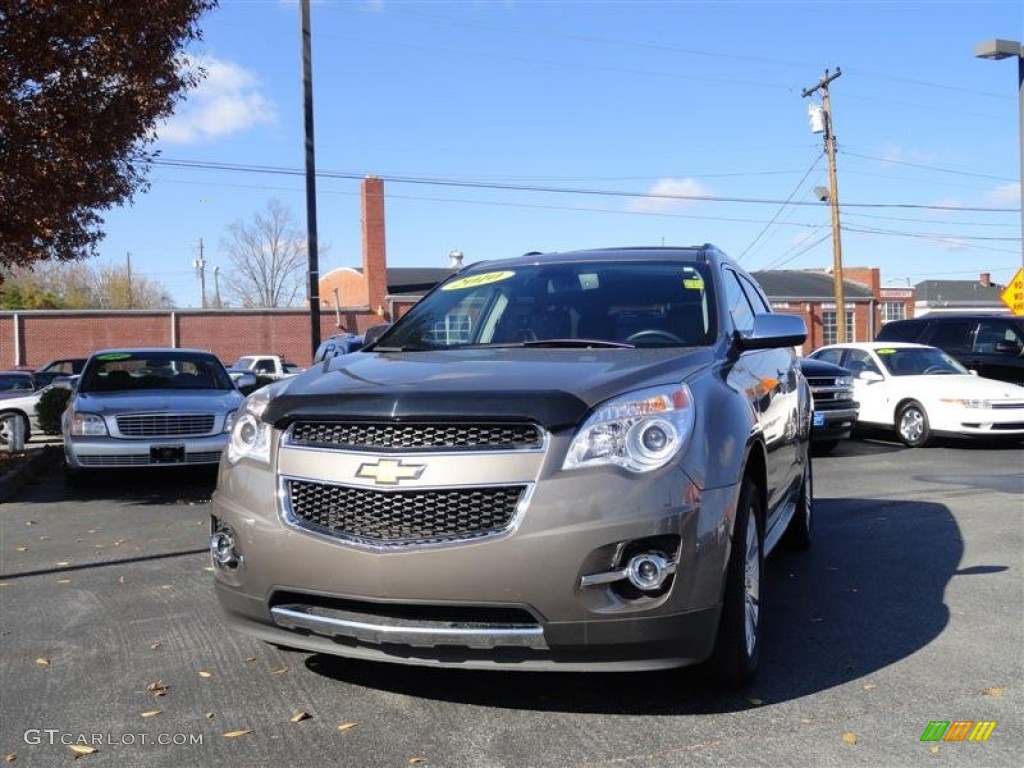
893	310
828	322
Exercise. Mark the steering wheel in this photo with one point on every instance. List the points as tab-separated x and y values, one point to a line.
654	333
936	369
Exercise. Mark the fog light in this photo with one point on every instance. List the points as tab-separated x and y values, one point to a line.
222	549
648	571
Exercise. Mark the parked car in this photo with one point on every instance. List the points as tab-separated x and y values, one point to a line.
920	391
18	381
992	345
560	461
835	410
55	369
18	403
148	407
269	366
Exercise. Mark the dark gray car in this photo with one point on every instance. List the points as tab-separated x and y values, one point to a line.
561	461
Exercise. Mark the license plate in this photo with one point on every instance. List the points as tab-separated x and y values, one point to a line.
167	454
819	419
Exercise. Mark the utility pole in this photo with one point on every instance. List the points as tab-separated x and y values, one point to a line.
128	258
200	266
312	248
216	287
833	198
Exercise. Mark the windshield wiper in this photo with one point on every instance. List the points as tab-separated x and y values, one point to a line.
583	343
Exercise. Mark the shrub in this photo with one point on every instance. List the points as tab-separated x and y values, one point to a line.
49	408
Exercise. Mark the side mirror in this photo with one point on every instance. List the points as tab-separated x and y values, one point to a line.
245	381
374	332
773	331
870	376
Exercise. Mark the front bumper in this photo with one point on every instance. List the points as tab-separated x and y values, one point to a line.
832	424
109	452
510	600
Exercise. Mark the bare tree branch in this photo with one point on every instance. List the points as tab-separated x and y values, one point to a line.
268	259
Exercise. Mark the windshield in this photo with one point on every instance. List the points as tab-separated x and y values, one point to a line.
918	361
127	371
641	304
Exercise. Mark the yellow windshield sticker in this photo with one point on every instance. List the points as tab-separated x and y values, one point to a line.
694	283
473	281
886	351
114	356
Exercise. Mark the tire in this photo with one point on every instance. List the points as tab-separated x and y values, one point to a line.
912	425
798	532
5	417
738	645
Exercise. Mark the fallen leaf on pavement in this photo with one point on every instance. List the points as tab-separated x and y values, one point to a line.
159	688
299	716
805	720
210	715
236	734
869	686
849	737
756	702
933	749
280	671
42	661
63	581
993	690
347	726
151	712
154	646
82	749
21	549
204	673
417	760
250	658
10	757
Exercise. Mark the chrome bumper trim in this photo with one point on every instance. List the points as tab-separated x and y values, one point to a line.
295	617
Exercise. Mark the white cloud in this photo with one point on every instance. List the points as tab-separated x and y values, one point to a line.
1004	194
667	194
227	101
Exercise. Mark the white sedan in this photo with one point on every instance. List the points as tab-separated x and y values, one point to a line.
921	391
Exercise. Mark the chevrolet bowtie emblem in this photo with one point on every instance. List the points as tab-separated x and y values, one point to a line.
390	471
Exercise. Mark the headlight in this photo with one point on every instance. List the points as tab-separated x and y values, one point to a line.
89	424
229	421
844	382
640	431
250	435
967	402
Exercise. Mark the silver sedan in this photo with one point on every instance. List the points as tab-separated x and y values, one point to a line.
149	407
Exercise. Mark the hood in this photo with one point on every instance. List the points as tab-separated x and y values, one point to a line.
965	386
155	400
555	387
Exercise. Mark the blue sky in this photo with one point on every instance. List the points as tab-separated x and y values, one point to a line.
621	99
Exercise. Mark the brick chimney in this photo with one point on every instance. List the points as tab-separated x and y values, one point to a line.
375	260
985	278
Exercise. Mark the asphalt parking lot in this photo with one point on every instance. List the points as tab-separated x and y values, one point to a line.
907	610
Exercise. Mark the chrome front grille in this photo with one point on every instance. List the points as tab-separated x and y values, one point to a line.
401	518
824	389
165	424
385	436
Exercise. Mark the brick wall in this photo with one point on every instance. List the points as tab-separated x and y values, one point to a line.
228	333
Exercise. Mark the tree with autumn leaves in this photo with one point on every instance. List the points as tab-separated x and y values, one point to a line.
82	85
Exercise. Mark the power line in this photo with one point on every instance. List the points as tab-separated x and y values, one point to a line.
847	153
470	184
781	208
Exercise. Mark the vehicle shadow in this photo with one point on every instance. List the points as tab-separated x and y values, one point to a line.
843	610
131	485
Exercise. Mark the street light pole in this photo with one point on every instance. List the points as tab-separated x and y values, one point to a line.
1004	49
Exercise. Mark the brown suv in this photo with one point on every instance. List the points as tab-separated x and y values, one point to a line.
561	461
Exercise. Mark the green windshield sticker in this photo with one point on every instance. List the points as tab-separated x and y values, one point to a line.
693	283
473	281
114	356
886	351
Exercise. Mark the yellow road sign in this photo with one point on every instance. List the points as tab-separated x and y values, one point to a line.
1013	294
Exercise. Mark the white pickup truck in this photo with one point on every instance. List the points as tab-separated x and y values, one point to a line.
270	366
